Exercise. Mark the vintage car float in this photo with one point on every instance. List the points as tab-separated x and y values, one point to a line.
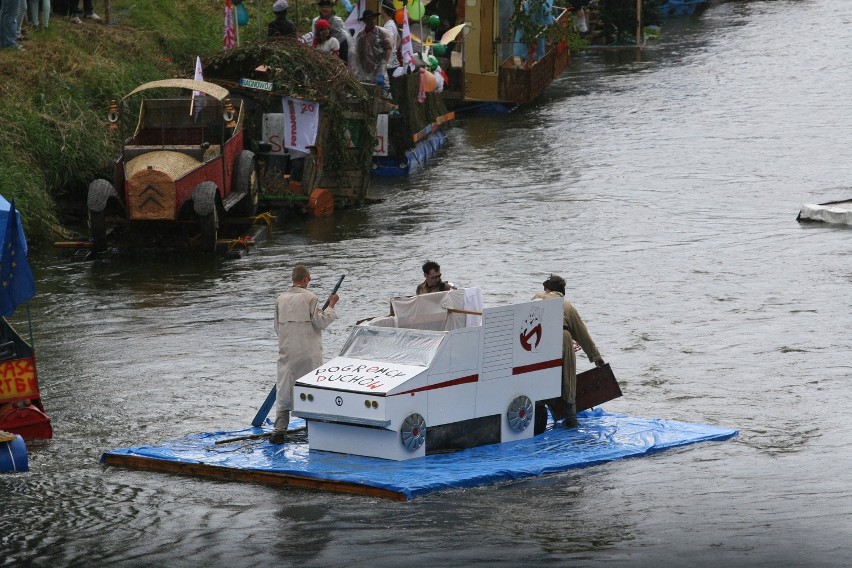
185	162
440	374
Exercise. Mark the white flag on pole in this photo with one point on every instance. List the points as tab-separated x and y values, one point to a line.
407	48
195	108
199	76
352	24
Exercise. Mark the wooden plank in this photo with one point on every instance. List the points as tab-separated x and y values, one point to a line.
480	87
486	39
252	476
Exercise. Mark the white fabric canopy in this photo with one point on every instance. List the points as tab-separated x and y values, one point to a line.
839	213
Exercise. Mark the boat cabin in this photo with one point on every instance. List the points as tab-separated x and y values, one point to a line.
488	58
441	373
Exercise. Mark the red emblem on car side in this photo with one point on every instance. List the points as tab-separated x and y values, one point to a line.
531	330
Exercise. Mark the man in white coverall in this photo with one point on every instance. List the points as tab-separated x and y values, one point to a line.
299	322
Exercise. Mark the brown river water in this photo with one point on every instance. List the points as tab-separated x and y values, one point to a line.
664	187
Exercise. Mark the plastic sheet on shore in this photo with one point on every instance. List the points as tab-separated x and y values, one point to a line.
601	437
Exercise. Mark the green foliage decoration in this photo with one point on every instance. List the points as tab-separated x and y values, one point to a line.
528	18
300	71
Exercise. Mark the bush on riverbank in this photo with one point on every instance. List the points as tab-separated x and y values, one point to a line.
54	96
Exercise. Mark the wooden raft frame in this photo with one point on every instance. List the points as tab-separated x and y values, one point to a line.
250	475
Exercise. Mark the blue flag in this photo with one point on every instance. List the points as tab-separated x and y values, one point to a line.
16	279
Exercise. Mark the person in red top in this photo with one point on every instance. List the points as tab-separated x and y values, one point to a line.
323	39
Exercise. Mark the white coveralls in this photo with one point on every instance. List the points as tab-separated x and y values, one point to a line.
299	322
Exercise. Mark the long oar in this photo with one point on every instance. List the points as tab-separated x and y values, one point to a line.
263	412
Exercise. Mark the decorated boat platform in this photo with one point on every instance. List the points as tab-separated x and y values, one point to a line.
412	130
311	121
247	455
441	394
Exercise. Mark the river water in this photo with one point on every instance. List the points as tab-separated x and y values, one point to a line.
664	187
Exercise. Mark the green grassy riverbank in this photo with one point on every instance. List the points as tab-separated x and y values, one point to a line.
54	96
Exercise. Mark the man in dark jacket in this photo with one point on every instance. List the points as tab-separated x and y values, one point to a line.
281	26
432	282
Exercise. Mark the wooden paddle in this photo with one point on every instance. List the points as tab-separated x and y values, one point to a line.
255	436
263	412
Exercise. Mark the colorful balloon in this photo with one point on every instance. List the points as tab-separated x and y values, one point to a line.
430	83
242	15
432	61
398	4
439	49
415	11
399	17
434	21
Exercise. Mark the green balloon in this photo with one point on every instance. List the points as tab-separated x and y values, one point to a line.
439	49
434	21
433	62
415	10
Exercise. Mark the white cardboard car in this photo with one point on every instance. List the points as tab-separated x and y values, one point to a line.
435	376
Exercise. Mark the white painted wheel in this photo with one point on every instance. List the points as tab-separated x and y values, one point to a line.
520	413
413	432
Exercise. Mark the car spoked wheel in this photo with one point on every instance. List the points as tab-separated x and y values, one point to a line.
520	413
413	432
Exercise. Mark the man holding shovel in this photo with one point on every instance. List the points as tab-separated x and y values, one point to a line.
299	321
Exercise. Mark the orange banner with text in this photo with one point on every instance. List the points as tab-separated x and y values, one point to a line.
18	380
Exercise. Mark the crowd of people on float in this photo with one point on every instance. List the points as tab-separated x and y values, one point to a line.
372	52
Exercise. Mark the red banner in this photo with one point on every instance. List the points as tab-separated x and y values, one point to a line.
230	36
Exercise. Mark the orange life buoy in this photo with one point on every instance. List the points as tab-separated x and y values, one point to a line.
321	203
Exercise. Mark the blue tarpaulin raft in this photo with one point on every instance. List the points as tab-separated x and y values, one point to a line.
601	437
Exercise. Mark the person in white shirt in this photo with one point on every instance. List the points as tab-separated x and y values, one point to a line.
338	29
393	35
